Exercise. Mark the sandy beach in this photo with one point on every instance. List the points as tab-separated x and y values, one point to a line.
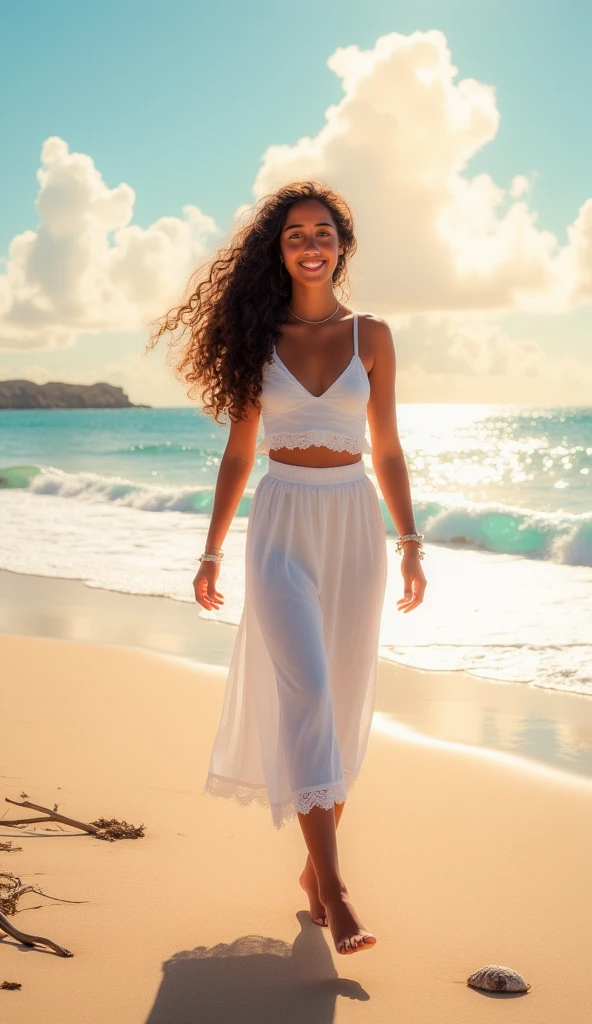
455	856
552	727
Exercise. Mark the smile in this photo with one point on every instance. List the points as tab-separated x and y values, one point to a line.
312	265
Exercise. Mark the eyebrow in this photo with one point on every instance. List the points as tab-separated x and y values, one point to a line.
321	223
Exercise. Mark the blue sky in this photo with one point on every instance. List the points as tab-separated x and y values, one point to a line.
180	101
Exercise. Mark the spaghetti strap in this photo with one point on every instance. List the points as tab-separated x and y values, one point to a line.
355	334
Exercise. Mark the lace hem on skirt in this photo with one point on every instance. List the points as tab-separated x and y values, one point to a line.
299	802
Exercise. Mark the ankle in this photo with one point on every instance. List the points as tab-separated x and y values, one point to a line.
332	889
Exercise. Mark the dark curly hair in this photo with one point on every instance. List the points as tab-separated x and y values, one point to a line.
225	329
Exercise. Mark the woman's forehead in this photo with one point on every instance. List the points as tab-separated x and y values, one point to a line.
309	210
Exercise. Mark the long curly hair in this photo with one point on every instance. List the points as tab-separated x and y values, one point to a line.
225	328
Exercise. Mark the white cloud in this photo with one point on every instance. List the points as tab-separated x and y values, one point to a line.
431	237
443	254
470	358
570	386
85	268
575	261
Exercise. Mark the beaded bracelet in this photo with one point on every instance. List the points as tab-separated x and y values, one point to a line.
208	556
417	537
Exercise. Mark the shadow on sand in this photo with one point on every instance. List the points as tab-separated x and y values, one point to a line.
254	980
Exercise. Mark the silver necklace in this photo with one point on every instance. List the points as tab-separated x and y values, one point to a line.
314	321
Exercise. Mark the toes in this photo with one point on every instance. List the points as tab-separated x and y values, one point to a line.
351	945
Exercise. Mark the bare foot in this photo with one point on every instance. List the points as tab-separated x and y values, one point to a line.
348	932
308	881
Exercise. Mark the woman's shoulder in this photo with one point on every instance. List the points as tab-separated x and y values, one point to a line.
374	331
372	320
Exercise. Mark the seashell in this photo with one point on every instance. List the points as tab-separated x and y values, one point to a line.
495	978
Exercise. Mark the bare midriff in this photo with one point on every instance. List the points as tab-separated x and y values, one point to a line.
316	457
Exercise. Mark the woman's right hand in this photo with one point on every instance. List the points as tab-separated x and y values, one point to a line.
204	586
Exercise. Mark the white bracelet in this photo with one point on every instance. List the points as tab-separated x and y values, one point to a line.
417	537
208	557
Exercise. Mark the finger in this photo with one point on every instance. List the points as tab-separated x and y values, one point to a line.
417	600
201	594
412	598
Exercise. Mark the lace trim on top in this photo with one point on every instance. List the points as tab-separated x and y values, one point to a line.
314	438
299	802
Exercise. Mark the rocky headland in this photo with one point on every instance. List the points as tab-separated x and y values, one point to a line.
24	394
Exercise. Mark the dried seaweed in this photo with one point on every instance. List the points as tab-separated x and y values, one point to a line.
10	886
114	829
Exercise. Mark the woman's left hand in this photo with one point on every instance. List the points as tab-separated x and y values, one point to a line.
413	579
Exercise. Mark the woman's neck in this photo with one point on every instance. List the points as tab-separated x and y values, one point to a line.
312	303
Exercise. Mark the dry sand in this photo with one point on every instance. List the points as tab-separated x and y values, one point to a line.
455	859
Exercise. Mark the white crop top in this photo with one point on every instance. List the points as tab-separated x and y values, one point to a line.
293	418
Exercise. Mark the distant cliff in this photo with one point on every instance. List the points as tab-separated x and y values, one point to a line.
23	394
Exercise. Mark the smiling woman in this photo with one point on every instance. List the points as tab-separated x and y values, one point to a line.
237	301
301	684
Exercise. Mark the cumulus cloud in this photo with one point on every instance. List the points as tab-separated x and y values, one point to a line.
471	358
431	236
86	268
443	254
563	381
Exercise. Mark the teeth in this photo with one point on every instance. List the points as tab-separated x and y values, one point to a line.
312	264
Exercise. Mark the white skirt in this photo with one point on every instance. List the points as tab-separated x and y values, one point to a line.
301	684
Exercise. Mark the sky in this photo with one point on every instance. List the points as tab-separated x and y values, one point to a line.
134	132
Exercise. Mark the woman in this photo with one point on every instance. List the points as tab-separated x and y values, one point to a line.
266	334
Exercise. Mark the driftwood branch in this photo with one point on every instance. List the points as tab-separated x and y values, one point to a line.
12	885
31	940
22	821
53	815
17	889
100	829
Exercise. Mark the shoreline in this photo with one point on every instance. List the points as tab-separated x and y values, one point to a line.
475	860
549	727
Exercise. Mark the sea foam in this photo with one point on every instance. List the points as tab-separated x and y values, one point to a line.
562	537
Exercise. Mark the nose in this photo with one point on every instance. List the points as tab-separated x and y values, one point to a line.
311	247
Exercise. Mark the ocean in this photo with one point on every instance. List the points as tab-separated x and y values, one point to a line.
121	498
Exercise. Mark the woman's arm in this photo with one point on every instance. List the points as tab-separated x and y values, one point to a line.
388	459
235	468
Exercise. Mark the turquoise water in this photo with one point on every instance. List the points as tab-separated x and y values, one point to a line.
121	499
503	479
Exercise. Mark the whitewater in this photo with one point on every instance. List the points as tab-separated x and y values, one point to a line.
121	499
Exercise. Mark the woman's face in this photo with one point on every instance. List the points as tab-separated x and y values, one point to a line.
309	242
